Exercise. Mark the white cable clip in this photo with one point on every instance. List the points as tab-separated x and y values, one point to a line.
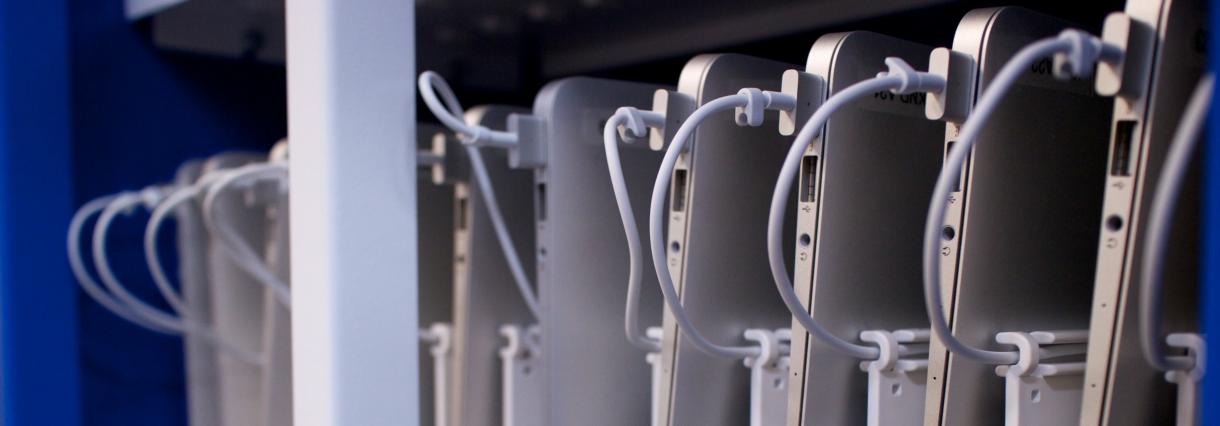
896	387
654	362
769	376
479	136
521	387
757	102
1081	59
440	337
637	123
1038	393
482	136
911	81
151	196
1188	380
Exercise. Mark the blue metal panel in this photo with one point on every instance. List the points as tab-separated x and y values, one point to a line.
37	296
85	100
1211	241
137	114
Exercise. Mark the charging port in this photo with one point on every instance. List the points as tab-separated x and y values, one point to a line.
809	179
957	180
1120	159
678	202
541	202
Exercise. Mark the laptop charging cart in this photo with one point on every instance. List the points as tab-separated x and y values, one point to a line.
1152	88
719	195
1019	237
862	198
484	296
593	376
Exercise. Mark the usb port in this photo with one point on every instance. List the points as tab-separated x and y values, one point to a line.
1120	158
541	202
809	179
678	202
957	180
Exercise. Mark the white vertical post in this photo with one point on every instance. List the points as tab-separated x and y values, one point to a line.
351	129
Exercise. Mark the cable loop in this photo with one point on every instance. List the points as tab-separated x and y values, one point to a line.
447	109
658	241
1079	59
751	114
629	120
478	136
635	123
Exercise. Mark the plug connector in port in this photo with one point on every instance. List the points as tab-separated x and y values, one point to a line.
1120	156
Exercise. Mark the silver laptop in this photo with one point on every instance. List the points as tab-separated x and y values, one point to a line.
238	300
1019	242
592	376
719	199
1121	388
484	293
202	374
862	200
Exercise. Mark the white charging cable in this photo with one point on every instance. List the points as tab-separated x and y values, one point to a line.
171	204
1160	222
124	204
85	280
1080	52
127	305
176	200
632	125
473	136
233	244
450	114
899	79
752	102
